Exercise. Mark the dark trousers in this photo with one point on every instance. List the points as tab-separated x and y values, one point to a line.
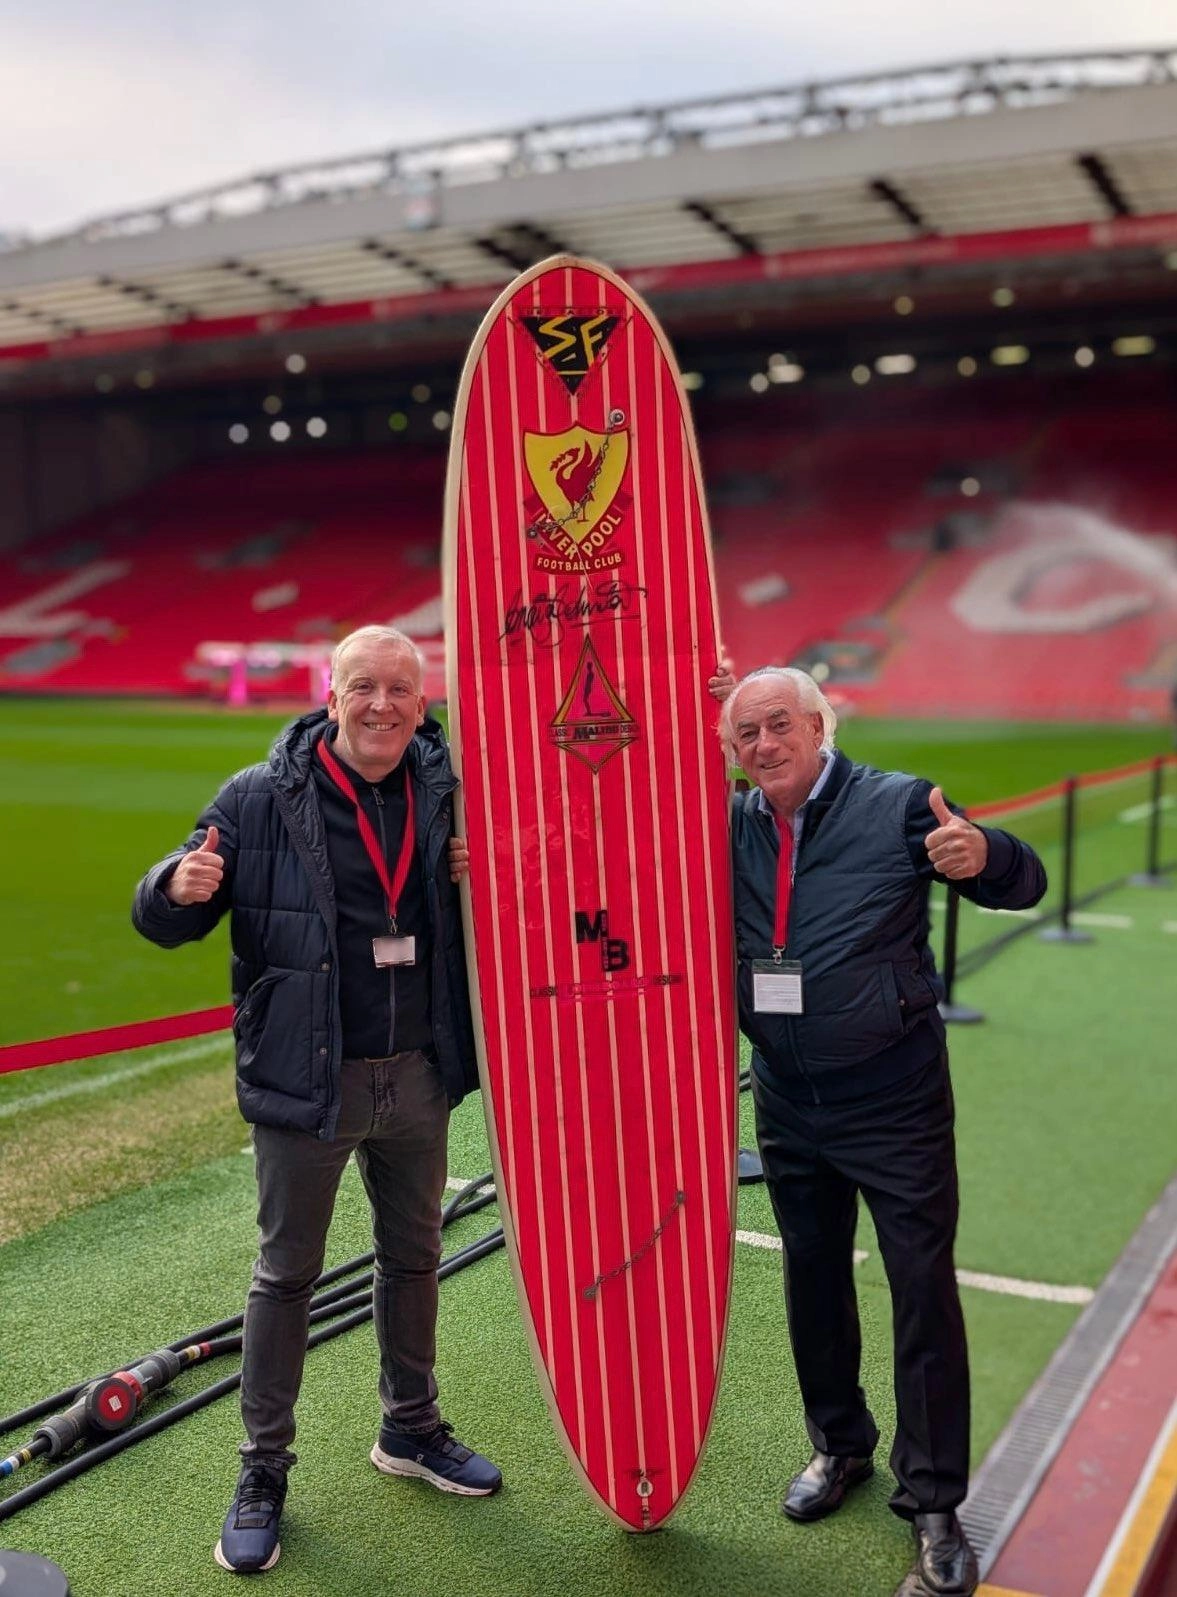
897	1149
394	1116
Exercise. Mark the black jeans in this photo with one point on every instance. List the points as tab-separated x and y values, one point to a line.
395	1116
896	1148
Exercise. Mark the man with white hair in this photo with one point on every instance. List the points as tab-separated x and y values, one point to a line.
337	863
838	995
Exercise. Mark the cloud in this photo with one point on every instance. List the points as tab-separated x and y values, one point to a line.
113	107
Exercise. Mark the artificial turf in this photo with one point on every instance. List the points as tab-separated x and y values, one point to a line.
1064	1105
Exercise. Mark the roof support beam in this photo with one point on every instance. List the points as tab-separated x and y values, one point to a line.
744	242
516	258
1104	183
276	285
529	234
148	296
52	324
891	194
386	252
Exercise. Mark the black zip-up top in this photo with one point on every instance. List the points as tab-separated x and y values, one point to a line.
280	892
858	923
383	1009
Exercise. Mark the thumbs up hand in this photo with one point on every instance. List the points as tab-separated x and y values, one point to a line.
956	848
198	875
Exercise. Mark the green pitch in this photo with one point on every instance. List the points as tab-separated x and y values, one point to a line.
94	793
127	1207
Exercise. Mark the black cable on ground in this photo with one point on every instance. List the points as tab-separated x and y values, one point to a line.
351	1299
462	1204
468	1255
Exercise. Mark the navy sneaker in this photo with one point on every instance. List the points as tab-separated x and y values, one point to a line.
437	1457
249	1537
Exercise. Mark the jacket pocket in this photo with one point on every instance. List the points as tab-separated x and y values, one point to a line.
916	993
894	1006
273	1029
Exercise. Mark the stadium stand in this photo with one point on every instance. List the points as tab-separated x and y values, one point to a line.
967	557
269	552
957	559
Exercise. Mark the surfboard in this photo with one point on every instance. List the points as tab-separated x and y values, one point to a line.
581	626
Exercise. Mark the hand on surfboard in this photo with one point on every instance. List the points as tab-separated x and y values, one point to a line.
459	859
722	684
956	847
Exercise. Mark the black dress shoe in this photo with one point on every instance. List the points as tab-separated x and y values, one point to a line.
822	1485
945	1565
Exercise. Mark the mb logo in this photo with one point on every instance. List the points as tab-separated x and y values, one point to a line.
614	950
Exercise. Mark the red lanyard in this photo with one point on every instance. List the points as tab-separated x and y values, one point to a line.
393	889
784	883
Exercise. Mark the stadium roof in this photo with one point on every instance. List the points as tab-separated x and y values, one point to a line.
967	162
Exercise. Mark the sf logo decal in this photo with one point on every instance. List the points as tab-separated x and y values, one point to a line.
570	344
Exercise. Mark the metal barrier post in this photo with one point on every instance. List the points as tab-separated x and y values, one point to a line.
1152	876
953	1013
1064	932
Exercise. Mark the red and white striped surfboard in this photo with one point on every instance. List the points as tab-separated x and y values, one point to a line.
582	629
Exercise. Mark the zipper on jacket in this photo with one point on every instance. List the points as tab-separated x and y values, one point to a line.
790	1036
391	969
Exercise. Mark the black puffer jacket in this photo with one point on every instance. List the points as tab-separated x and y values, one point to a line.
278	887
858	924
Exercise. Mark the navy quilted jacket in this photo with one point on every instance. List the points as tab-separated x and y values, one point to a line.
278	890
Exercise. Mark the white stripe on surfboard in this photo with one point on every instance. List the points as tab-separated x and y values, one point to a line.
658	1203
627	1245
548	919
670	699
597	1321
512	795
510	1171
702	715
691	514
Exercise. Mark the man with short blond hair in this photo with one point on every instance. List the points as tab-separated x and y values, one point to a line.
336	862
838	993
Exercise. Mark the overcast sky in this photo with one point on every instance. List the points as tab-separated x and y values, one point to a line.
108	106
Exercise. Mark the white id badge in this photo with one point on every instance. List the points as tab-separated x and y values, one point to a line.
394	951
776	987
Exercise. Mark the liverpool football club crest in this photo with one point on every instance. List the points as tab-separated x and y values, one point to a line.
592	722
576	501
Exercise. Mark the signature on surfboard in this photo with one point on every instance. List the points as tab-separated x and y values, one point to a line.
547	616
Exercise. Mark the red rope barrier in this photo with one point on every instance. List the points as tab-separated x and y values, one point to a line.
114	1039
1025	801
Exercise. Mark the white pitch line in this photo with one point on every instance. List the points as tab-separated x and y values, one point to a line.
761	1239
939	905
1090	917
1142	812
1003	1285
111	1078
1169	925
1007	1285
